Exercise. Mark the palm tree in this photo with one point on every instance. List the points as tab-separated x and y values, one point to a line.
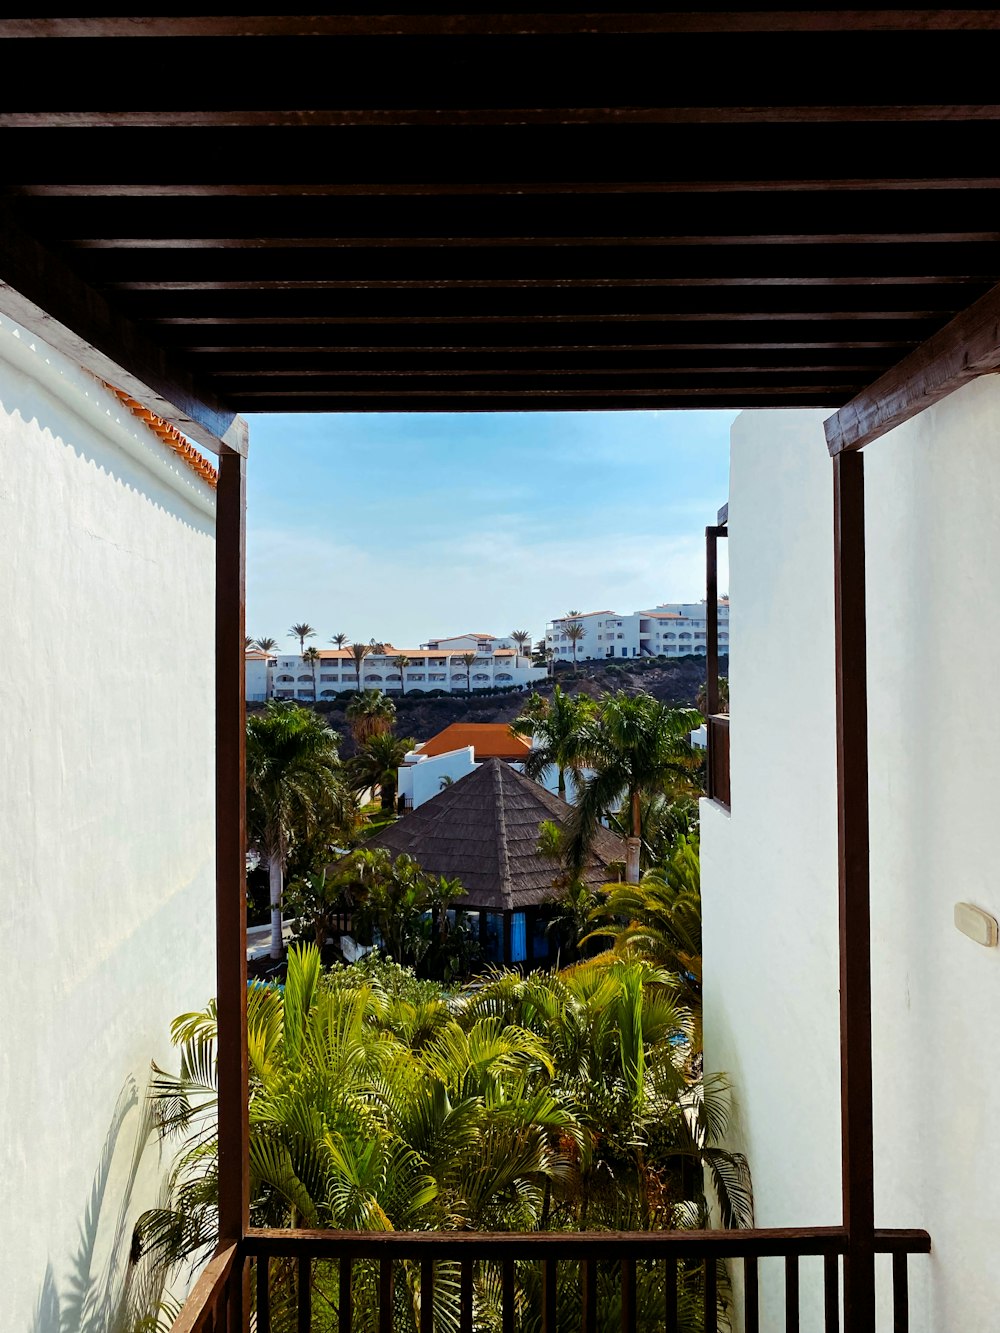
469	660
636	746
311	658
269	646
248	643
701	699
339	640
520	637
302	632
555	726
402	661
377	764
359	651
292	771
574	632
369	714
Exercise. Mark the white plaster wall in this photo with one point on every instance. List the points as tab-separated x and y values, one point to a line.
421	781
106	816
769	870
933	494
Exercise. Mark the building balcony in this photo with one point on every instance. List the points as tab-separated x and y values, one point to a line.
271	1281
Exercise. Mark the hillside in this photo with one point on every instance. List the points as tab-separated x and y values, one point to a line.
675	682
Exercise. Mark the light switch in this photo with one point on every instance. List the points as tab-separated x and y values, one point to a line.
977	924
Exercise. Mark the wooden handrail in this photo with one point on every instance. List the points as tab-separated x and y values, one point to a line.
213	1287
542	1245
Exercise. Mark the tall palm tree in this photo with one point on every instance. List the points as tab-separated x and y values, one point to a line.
377	764
269	646
369	714
248	643
520	637
292	771
636	746
339	640
311	658
402	661
302	632
574	632
469	661
555	726
359	651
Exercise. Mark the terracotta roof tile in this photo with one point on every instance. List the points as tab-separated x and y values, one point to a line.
490	740
170	436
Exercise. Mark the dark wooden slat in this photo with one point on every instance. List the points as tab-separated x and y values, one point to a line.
263	1267
853	873
304	1295
427	1295
230	797
550	1294
711	1289
546	23
628	1296
670	1294
197	1308
385	1296
588	1295
791	1294
465	1305
507	1296
802	114
569	282
345	1303
250	189
831	1294
751	1297
967	347
40	292
900	1295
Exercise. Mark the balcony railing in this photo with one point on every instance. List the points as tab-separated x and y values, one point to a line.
718	758
361	1281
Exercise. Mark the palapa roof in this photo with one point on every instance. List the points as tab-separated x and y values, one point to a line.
490	740
483	831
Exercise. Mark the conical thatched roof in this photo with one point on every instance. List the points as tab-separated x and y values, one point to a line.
483	831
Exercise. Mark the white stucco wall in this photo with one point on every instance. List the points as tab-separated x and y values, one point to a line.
933	494
106	816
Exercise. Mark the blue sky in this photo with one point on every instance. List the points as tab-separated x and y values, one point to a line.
402	527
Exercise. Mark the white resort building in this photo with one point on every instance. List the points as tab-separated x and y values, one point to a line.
290	676
674	629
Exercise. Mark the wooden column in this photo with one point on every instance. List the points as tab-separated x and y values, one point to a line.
529	936
712	617
853	860
230	838
508	920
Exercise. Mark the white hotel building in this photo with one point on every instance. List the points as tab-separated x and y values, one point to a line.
675	629
437	665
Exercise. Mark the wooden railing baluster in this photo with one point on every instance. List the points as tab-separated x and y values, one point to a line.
711	1296
628	1296
670	1293
385	1296
792	1293
588	1278
507	1296
427	1296
831	1293
304	1294
465	1296
345	1312
900	1295
549	1295
751	1296
263	1276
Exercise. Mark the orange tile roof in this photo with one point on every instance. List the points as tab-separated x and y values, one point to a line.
170	436
490	740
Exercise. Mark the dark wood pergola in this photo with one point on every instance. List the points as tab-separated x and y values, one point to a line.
518	211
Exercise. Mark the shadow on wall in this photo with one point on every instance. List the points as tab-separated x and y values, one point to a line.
105	1289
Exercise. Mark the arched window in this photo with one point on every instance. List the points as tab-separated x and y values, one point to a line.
372	677
286	680
306	678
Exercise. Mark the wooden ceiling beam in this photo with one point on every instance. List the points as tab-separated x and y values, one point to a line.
429	284
542	23
39	291
967	347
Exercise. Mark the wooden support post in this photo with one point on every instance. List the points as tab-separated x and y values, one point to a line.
529	937
508	932
230	838
853	859
712	618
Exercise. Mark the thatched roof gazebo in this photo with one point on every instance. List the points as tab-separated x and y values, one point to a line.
483	830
